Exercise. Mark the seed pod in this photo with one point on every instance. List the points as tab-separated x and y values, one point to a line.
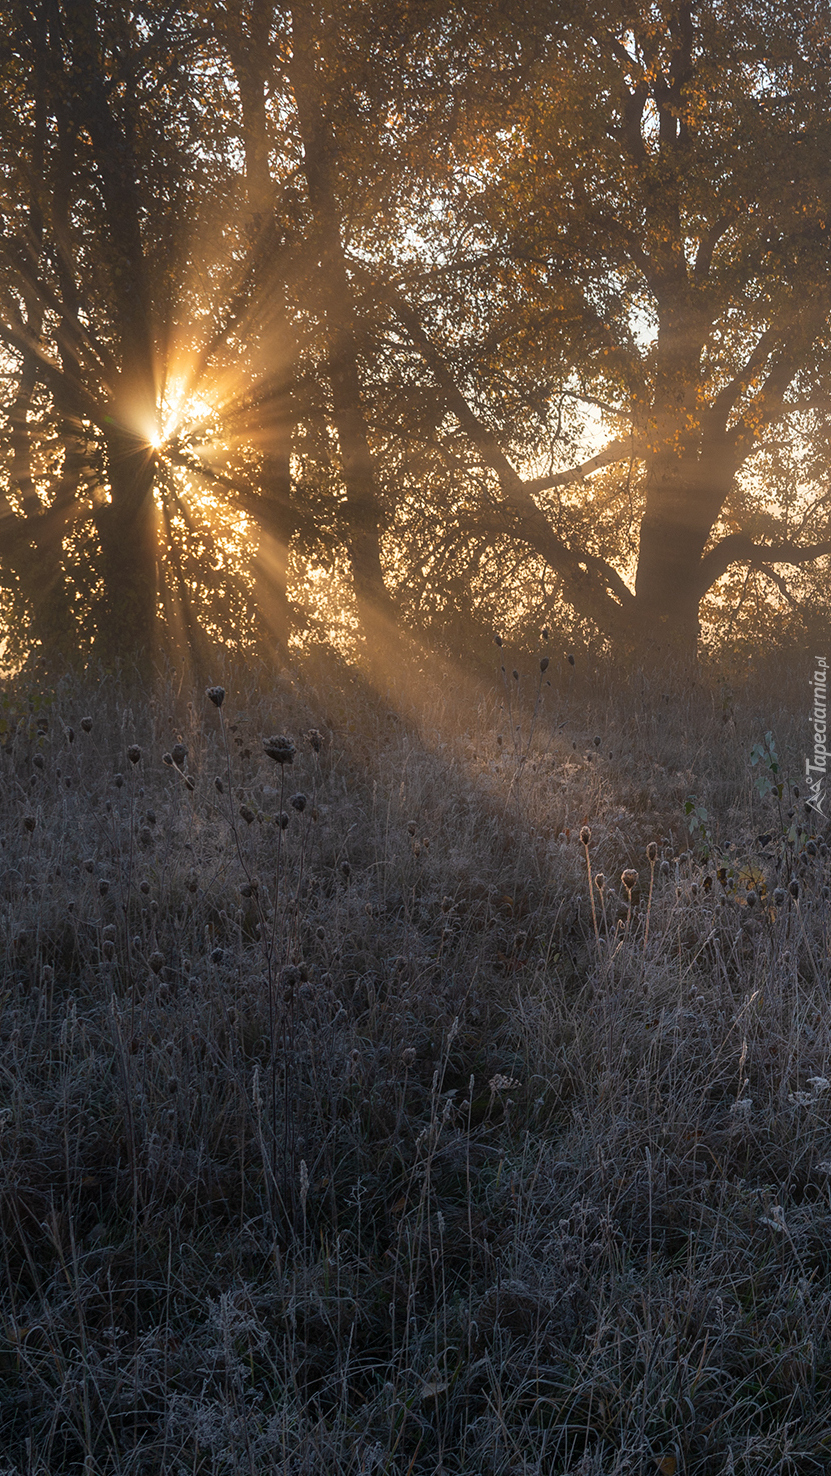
279	748
298	802
167	758
216	695
629	877
283	820
179	755
497	640
38	760
314	740
247	814
86	724
156	962
651	853
134	753
585	835
219	786
545	662
793	887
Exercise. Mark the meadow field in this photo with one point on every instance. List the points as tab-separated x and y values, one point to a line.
433	1080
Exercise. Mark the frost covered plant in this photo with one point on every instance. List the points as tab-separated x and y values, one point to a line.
279	748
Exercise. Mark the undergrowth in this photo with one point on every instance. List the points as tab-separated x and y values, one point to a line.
404	1087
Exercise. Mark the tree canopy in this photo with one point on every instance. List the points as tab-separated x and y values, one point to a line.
421	317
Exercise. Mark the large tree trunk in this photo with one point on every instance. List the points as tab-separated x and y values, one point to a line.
275	513
363	502
128	532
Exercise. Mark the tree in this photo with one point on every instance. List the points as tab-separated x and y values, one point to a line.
650	185
396	254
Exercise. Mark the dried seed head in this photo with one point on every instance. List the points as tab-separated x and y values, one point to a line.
190	782
192	881
86	724
629	877
216	695
585	835
118	781
497	640
279	748
38	760
298	802
314	740
408	1055
29	823
179	755
664	868
793	887
570	659
412	827
134	753
515	675
156	962
652	853
345	870
103	886
144	887
108	931
289	977
600	881
597	741
283	820
219	786
247	814
167	758
752	898
545	662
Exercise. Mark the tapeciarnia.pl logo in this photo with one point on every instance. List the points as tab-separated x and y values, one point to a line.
815	771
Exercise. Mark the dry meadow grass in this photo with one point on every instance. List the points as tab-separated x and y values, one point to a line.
347	1124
